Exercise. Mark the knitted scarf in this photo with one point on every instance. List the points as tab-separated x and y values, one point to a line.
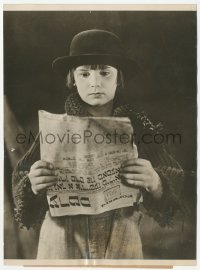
75	106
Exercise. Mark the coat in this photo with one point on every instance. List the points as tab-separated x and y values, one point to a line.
110	235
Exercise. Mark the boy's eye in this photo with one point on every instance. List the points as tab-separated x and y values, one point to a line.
104	73
85	74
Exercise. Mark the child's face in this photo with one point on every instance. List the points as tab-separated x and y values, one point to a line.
96	87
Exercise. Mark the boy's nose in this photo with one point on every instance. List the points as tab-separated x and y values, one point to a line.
95	80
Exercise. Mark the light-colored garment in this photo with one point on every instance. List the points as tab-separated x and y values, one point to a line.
111	235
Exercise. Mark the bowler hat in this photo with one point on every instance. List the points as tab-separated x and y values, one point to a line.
95	47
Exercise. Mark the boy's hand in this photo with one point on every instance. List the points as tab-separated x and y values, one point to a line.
42	175
140	173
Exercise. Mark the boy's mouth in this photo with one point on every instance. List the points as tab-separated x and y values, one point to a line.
95	94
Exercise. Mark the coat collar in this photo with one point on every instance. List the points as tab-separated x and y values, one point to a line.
140	121
74	106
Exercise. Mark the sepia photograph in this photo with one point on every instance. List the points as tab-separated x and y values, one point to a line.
100	135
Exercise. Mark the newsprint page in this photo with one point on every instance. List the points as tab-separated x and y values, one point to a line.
100	135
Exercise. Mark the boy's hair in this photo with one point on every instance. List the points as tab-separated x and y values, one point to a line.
70	77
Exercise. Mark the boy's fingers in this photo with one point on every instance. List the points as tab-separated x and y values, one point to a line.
43	172
135	161
42	164
39	188
135	151
45	179
135	183
132	176
133	169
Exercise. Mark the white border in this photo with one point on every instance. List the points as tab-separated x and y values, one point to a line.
139	7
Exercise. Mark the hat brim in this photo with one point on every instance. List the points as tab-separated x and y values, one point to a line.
63	64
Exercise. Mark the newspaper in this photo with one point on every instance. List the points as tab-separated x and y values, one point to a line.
87	153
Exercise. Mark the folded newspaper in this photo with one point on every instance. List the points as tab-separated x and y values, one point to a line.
87	153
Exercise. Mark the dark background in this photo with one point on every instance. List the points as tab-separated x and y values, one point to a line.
162	43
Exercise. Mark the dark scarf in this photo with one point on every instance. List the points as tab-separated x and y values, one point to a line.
74	106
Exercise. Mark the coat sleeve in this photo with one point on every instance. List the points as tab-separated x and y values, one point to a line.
29	208
170	172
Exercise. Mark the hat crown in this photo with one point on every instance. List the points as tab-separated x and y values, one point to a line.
96	42
96	47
